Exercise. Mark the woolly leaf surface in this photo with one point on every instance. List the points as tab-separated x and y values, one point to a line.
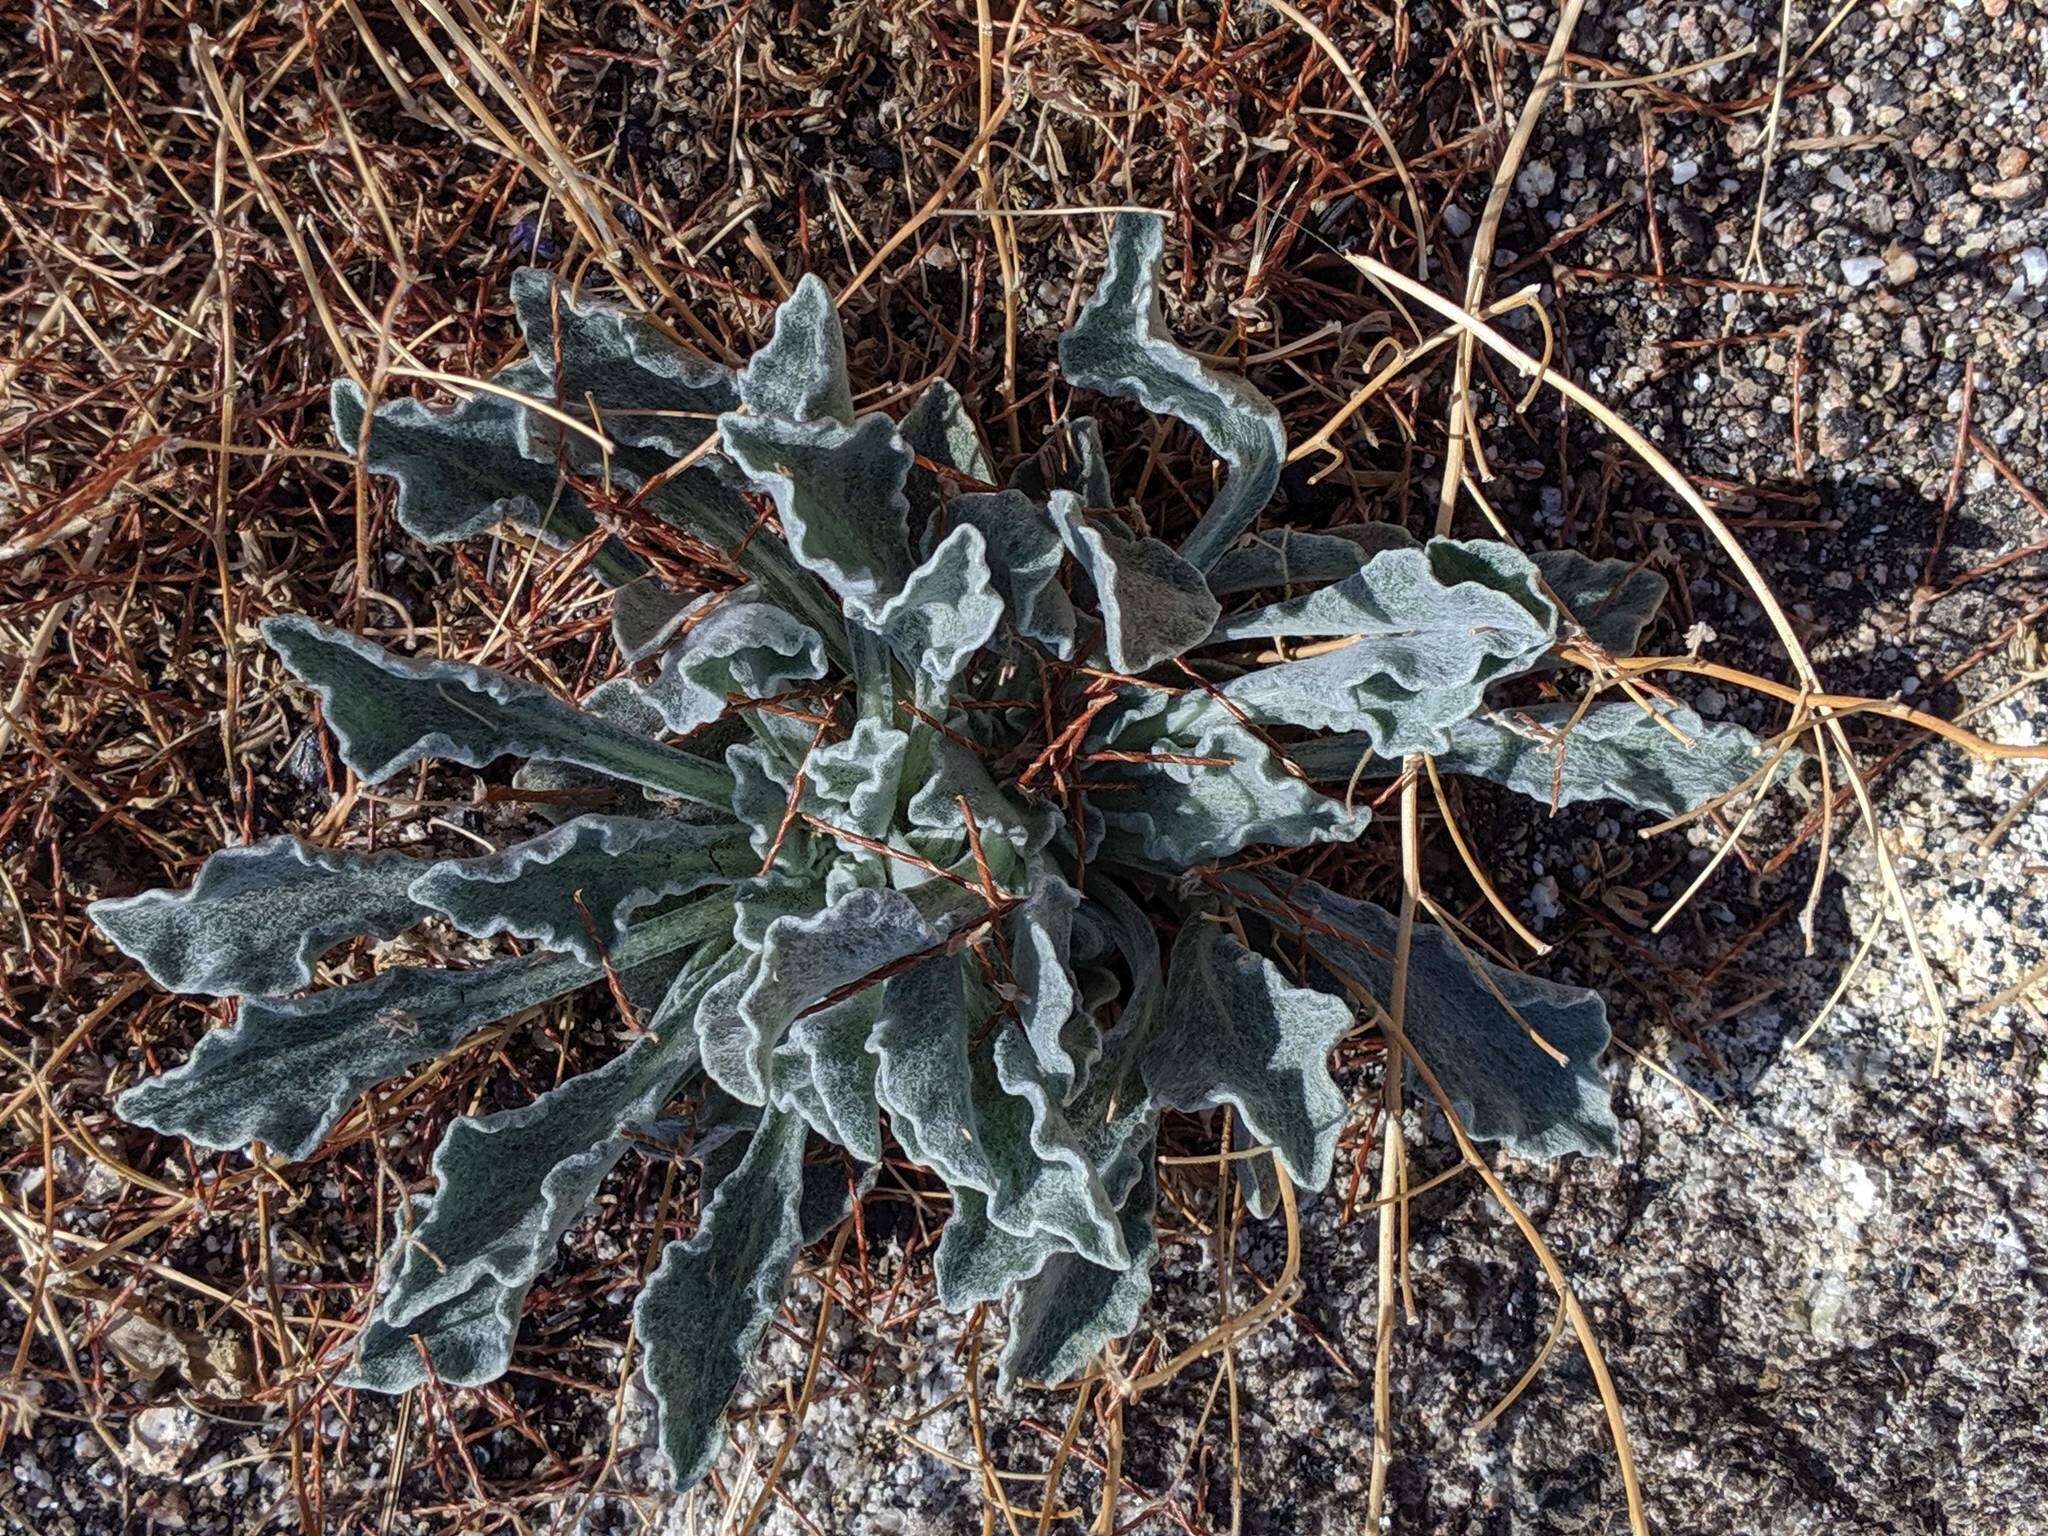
1120	346
1205	789
286	1070
1427	630
1155	605
982	1115
1240	1033
1024	557
948	608
1614	752
576	887
388	712
257	918
701	1317
1504	1087
742	646
937	428
1611	600
467	1337
839	493
801	373
644	389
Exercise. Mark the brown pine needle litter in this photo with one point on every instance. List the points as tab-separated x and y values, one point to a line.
206	215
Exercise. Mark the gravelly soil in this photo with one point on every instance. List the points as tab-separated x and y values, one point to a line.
1819	1274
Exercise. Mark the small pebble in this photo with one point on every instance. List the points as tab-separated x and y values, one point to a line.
1858	270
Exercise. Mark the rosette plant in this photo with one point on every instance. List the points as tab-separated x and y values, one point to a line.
947	812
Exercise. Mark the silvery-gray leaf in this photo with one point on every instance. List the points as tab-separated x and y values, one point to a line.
508	1185
760	799
617	372
1429	629
1257	1177
1120	346
1066	1312
937	428
1024	555
804	959
286	1070
1041	935
801	373
855	783
981	1115
1210	789
954	772
824	1070
468	1337
1155	605
388	712
742	646
1503	1086
646	616
1070	460
976	1261
257	918
1615	751
1280	557
1613	601
701	1317
575	887
460	470
1240	1033
1431	616
947	610
839	493
619	701
1126	927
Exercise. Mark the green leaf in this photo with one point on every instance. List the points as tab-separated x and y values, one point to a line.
1155	606
702	1315
839	493
1503	1085
285	1072
948	608
1241	1034
855	783
1120	346
257	918
1614	752
801	374
388	712
576	887
742	646
1024	557
1209	789
1611	600
1429	629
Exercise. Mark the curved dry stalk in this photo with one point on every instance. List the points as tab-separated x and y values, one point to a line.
1481	263
1277	1296
1731	546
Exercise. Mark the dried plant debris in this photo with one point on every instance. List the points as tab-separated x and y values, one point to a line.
923	823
